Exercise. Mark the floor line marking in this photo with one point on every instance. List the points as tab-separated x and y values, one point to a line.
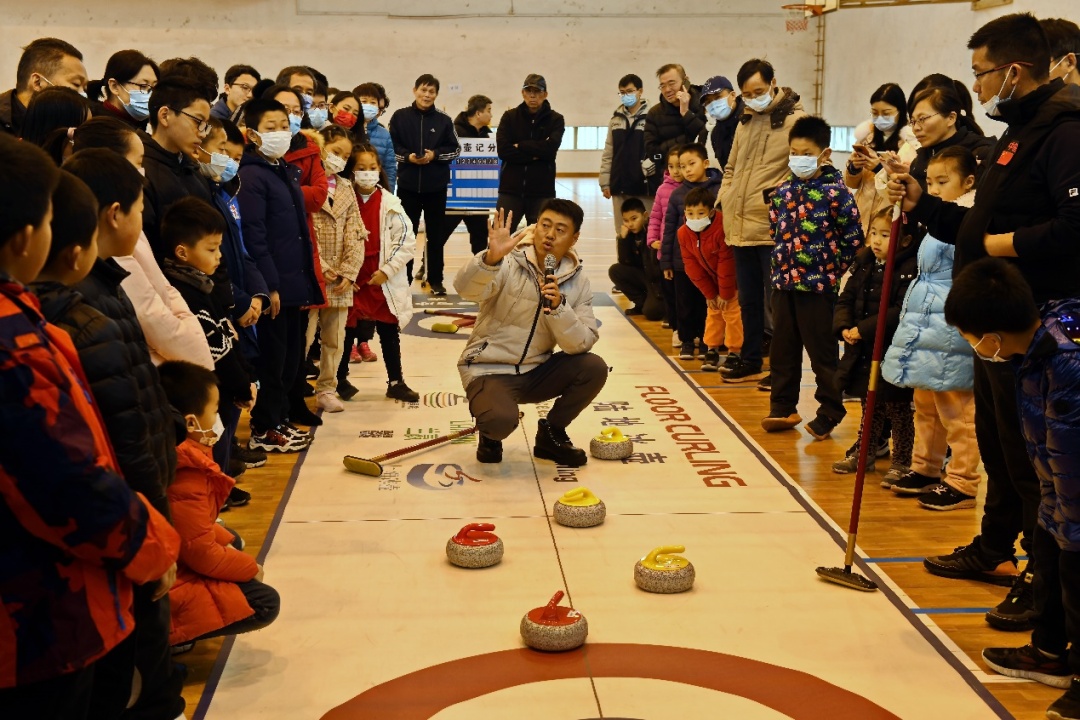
949	610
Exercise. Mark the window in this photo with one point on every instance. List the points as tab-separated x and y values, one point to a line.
842	138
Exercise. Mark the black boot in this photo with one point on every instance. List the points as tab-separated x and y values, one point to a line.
398	390
488	450
300	414
552	443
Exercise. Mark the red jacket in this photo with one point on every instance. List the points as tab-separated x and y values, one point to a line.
206	596
74	537
708	260
313	184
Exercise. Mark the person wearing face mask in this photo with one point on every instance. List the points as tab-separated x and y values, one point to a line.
726	108
219	588
757	164
46	62
372	131
993	307
124	91
815	221
1064	38
621	174
275	226
887	131
1028	209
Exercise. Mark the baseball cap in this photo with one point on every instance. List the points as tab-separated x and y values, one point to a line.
536	81
715	84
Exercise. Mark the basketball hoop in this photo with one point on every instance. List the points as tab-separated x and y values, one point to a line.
798	16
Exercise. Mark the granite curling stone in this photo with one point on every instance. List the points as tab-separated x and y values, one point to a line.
579	508
611	444
662	572
475	546
554	628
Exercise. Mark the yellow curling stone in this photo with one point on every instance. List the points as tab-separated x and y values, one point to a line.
663	572
554	628
611	444
579	508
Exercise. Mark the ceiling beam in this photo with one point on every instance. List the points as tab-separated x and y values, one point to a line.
975	4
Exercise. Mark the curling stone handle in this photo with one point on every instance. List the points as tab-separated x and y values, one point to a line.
612	434
551	611
577	495
475	531
664	554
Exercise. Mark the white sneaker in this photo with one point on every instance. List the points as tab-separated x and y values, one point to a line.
675	341
327	401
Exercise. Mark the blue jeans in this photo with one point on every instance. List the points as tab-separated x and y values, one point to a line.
755	296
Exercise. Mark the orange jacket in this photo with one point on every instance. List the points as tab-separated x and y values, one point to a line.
707	259
74	537
206	596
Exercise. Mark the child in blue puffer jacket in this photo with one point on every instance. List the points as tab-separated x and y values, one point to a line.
931	357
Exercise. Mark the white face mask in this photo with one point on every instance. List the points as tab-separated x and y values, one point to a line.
333	163
366	178
803	167
698	224
274	144
216	167
996	357
759	104
991	105
210	437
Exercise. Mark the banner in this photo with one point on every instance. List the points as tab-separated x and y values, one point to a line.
474	176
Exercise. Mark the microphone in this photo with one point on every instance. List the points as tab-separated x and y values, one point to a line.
549	270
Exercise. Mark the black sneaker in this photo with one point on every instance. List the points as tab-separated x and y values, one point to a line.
967	563
398	390
1014	613
345	389
913	483
300	413
686	351
943	497
236	467
630	311
437	289
730	363
743	372
821	427
882	449
1029	663
250	458
1066	707
552	443
488	450
238	498
765	384
711	362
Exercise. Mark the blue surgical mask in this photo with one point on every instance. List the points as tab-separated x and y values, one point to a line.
991	105
629	100
719	109
318	117
370	111
231	168
759	104
294	124
216	167
138	104
306	101
803	167
885	123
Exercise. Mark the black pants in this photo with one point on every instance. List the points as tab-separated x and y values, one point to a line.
162	680
755	289
1057	597
263	599
667	289
280	342
690	306
389	340
477	225
299	383
521	206
1012	487
803	320
230	418
433	207
574	380
634	284
66	697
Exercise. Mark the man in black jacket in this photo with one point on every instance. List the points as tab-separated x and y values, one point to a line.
528	138
678	119
425	144
622	172
46	62
723	105
1027	209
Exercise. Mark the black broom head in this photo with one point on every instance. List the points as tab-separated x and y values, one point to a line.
849	579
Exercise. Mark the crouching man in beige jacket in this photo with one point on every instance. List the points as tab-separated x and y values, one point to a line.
511	357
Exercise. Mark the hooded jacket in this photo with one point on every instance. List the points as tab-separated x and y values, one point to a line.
1031	187
624	151
244	277
675	217
74	537
757	164
169	177
708	261
666	127
926	352
275	229
414	132
528	144
817	230
1046	381
512	334
206	596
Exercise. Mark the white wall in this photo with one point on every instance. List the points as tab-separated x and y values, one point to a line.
867	47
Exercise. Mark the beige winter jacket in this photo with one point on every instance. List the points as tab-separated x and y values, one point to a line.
512	334
341	235
868	187
758	162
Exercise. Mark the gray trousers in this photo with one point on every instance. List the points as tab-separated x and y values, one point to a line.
573	380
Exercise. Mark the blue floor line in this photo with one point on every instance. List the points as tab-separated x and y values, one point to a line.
950	611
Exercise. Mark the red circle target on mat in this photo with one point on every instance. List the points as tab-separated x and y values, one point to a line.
424	693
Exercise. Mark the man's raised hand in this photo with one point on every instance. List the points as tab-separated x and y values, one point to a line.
500	241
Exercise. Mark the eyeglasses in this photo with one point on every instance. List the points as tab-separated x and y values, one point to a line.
201	125
297	113
669	85
918	122
319	106
979	74
243	86
142	87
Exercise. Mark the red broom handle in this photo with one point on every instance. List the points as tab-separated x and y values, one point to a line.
423	445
